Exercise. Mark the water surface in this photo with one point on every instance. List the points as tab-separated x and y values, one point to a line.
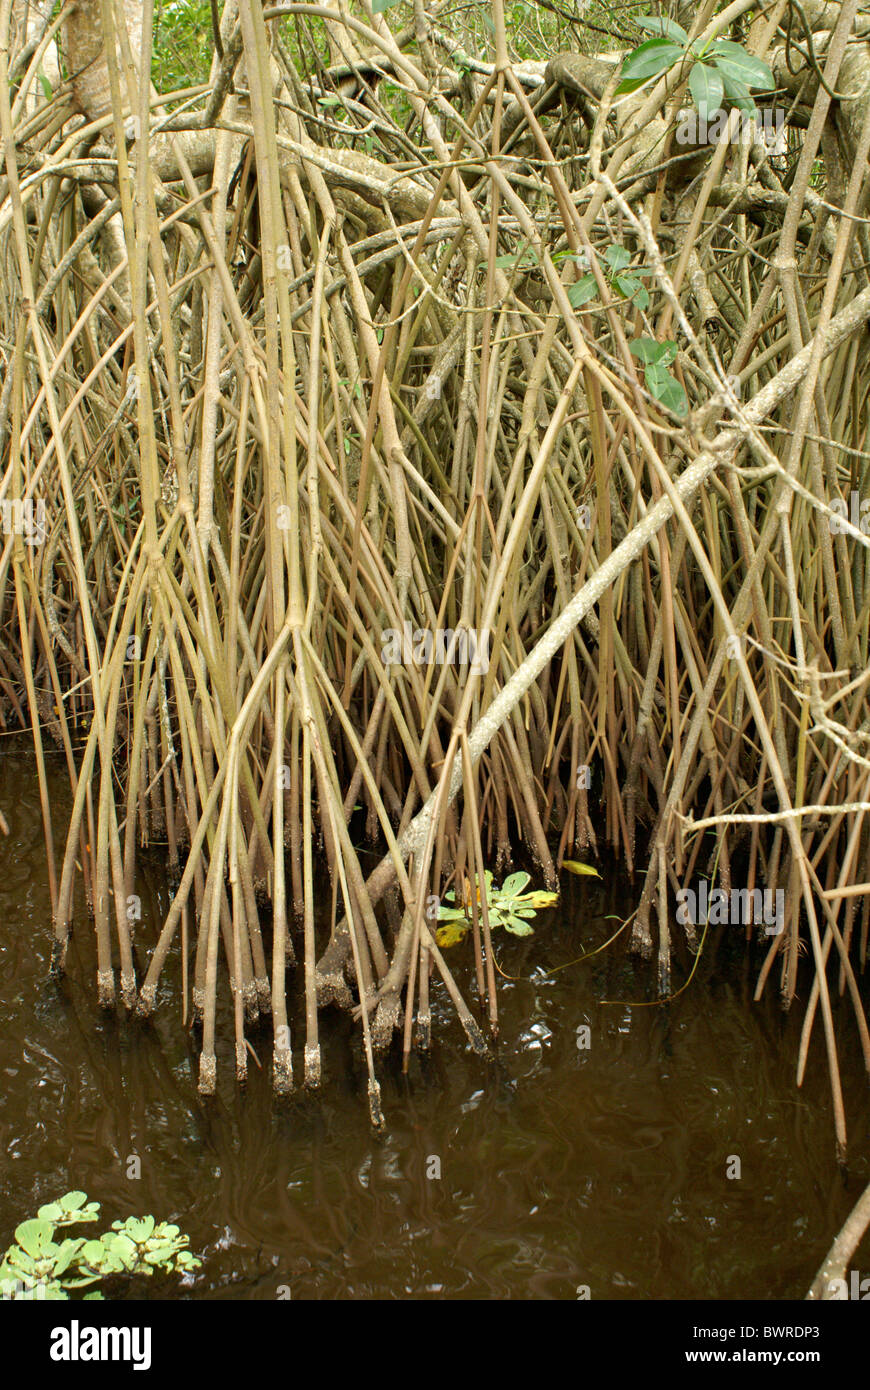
560	1167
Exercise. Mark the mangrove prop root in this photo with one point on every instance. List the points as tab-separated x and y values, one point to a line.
478	473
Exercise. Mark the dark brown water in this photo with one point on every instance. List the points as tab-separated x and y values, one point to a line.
560	1167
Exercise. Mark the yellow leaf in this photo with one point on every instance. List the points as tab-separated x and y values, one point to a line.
451	933
575	867
538	899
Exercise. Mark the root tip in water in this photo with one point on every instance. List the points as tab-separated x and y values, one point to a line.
106	989
475	1037
282	1071
312	1065
147	999
424	1031
264	994
57	966
241	1063
128	991
375	1111
207	1074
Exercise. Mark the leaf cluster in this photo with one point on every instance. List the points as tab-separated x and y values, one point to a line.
720	69
37	1265
509	907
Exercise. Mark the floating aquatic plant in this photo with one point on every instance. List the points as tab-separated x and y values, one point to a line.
509	907
37	1266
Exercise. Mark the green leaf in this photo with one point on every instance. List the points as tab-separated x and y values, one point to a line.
660	24
35	1237
378	6
517	927
739	95
645	349
666	389
72	1201
522	260
71	1209
745	67
582	291
732	77
92	1252
707	88
67	1252
631	288
650	59
139	1230
46	86
78	1280
648	351
617	258
163	1256
514	884
117	1253
52	1211
574	866
17	1259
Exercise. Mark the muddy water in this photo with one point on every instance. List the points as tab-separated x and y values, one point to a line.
559	1166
